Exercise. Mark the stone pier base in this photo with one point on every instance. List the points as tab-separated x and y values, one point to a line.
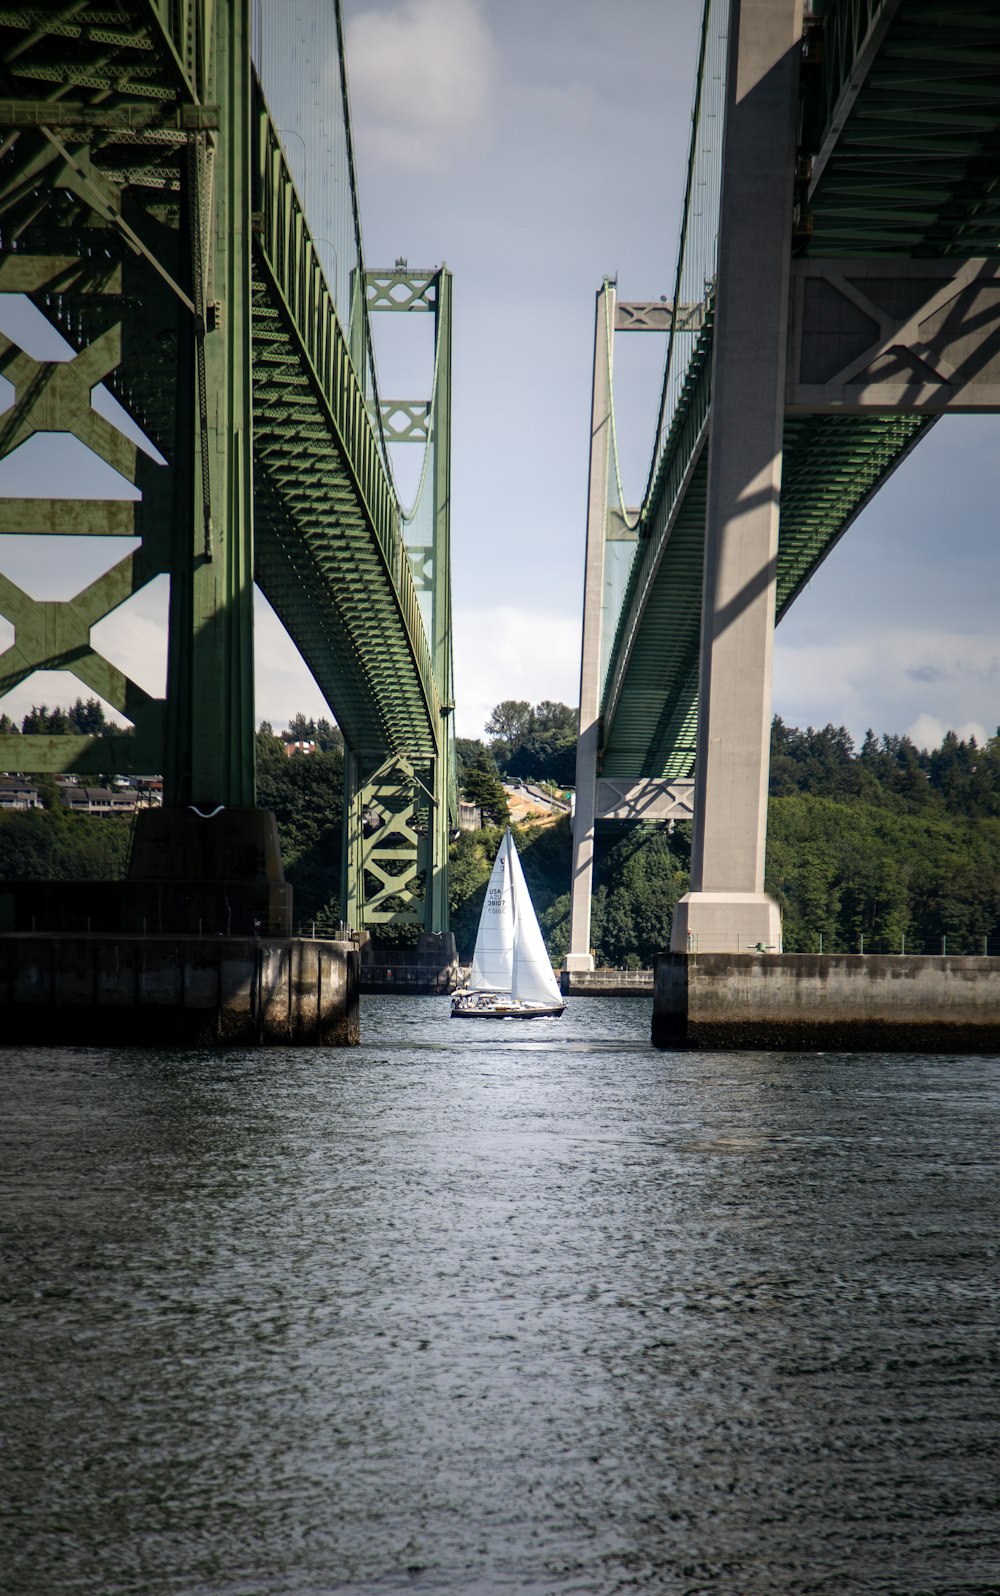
167	991
821	1002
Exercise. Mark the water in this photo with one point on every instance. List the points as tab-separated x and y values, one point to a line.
498	1306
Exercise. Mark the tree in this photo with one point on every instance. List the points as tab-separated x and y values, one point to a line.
306	796
555	717
508	725
53	845
481	785
301	730
329	735
546	756
466	751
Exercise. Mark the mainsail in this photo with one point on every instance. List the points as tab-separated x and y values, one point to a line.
510	954
493	958
532	979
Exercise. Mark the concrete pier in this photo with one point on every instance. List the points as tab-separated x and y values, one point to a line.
177	990
818	1002
605	983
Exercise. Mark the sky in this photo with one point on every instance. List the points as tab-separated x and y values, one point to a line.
537	146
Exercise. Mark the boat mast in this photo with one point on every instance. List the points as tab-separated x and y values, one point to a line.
513	910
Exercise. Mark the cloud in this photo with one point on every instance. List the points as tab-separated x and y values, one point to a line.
929	732
890	679
422	79
504	652
53	688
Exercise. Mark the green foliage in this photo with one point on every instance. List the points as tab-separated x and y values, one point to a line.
54	845
508	725
545	756
467	750
306	794
322	732
481	785
470	861
638	880
852	871
88	718
551	716
534	744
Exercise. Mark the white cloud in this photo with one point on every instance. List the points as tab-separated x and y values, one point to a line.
53	688
929	732
421	78
134	636
505	652
897	679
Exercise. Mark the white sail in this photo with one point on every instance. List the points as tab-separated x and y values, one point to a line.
493	958
532	980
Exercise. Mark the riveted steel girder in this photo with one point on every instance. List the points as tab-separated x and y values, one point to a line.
328	521
901	129
117	115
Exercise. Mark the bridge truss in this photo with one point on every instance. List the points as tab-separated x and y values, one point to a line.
149	211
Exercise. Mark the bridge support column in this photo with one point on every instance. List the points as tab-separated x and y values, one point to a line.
579	956
210	681
727	907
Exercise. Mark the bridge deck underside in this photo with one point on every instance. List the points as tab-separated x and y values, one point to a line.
915	168
317	560
832	466
913	171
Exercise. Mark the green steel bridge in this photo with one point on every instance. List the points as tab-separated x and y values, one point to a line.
838	278
150	210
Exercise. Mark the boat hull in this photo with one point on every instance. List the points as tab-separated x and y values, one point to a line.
466	1007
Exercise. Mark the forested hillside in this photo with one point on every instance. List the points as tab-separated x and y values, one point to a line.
884	847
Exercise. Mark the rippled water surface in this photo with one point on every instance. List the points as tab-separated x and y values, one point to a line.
498	1306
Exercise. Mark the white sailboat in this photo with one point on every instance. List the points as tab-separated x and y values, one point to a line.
511	974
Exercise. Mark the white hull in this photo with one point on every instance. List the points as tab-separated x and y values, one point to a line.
499	1006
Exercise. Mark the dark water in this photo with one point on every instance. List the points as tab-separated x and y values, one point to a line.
498	1306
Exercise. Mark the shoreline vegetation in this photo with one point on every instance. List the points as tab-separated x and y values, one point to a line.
883	849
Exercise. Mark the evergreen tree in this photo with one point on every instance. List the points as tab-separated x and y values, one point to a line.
481	785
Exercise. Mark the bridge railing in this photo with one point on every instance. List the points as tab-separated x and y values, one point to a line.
850	32
290	253
697	253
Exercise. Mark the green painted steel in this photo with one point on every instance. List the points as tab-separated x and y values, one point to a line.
148	210
106	140
400	807
900	155
901	138
331	557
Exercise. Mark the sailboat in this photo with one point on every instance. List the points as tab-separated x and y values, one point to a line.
511	975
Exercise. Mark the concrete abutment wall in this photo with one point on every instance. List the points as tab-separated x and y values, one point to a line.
177	991
847	1002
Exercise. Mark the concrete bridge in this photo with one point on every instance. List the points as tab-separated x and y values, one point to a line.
837	290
